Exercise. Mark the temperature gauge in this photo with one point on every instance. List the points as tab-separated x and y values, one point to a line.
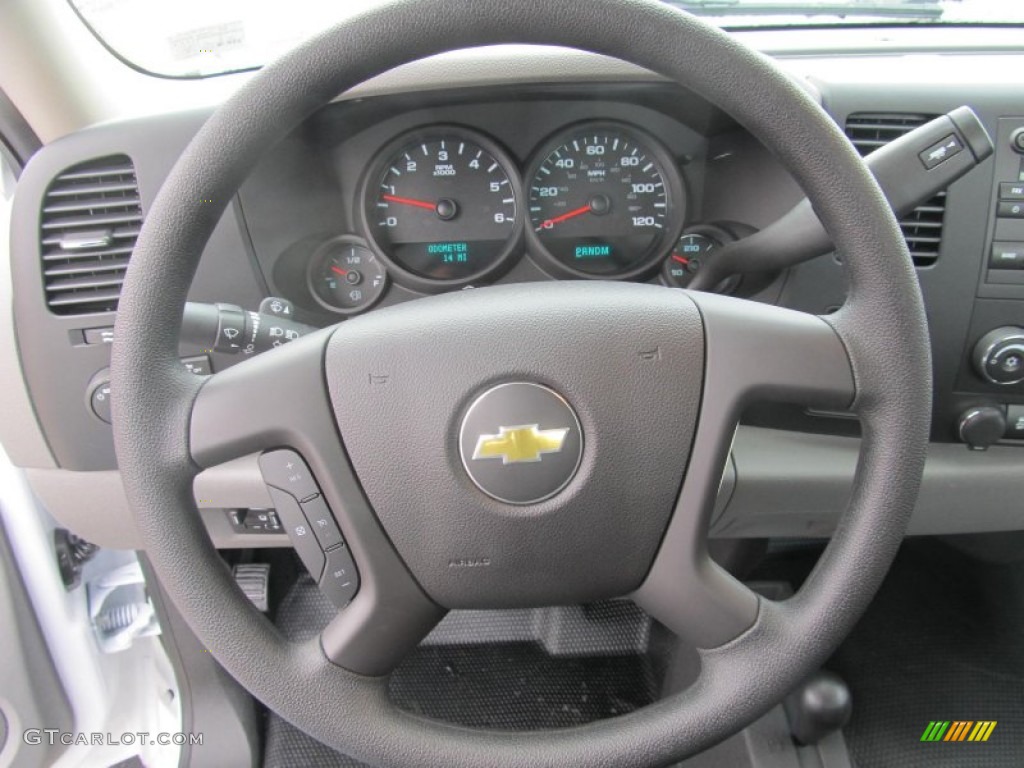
346	277
691	252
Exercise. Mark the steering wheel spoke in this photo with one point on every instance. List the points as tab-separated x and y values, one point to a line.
753	352
273	400
278	403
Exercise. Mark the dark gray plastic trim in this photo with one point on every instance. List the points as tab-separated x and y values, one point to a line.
754	352
793	484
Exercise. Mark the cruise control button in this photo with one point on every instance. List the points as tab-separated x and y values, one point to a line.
322	522
298	530
286	470
341	580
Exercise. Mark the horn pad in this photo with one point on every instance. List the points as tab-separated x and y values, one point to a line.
522	445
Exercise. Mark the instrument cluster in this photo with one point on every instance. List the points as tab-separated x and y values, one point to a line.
444	207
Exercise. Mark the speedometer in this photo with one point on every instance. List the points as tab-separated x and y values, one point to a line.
605	200
441	205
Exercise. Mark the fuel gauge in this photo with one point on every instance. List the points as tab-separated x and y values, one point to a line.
346	277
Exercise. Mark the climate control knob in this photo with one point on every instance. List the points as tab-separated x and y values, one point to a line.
999	356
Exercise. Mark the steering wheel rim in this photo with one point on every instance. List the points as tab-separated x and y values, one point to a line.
155	412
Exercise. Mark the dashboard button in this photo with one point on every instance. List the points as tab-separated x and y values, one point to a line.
286	470
277	307
341	580
1006	256
199	365
999	356
99	335
230	328
1015	422
299	531
1011	210
1017	140
322	522
982	427
1005	365
941	151
99	401
1011	190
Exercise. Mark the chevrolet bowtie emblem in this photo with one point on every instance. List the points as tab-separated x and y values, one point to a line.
515	445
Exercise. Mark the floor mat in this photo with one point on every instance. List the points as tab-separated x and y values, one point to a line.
519	687
943	641
509	686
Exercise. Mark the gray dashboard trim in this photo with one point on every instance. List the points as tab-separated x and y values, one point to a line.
793	484
20	432
58	372
94	505
499	65
778	483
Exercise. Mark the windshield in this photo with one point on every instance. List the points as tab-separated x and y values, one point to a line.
200	38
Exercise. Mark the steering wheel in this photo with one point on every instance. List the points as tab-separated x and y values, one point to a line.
644	386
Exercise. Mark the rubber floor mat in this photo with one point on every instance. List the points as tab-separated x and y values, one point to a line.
509	686
942	641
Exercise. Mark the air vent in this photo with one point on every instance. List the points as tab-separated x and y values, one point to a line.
90	220
922	227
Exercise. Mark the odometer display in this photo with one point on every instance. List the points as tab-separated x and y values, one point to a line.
604	201
442	205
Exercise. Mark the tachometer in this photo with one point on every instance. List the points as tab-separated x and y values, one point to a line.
442	206
605	200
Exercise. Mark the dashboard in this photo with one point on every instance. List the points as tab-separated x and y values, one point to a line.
502	169
481	188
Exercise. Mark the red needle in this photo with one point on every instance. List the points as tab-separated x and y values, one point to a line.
680	259
338	270
410	201
565	217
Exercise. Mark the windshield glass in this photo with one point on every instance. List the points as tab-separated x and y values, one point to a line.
200	38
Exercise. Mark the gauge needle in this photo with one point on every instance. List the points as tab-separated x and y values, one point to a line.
565	217
338	270
410	201
682	260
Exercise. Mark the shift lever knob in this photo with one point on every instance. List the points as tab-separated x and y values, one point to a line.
820	706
